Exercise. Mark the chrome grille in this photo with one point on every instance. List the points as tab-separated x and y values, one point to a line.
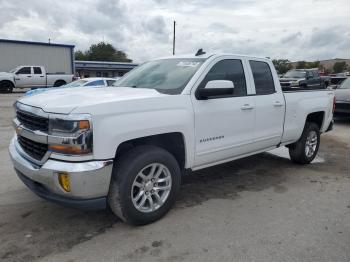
34	149
33	122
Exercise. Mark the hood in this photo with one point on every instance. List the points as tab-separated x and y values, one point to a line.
65	100
6	74
290	79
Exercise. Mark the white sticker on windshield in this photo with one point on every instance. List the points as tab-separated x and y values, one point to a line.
188	64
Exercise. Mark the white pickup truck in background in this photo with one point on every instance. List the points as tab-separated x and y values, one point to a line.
128	146
31	77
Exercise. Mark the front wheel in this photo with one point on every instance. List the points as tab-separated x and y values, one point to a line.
144	185
305	149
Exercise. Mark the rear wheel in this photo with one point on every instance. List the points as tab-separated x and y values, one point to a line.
144	185
305	149
59	83
6	87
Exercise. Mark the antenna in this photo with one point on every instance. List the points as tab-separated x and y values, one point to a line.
174	38
200	52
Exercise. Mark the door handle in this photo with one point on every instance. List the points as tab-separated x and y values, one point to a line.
277	104
29	76
247	107
41	76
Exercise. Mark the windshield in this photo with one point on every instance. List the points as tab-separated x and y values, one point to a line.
295	74
14	70
168	76
345	84
77	83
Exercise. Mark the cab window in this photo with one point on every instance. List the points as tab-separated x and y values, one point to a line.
263	80
229	69
96	83
24	71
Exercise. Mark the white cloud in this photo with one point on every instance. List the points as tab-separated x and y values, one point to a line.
299	29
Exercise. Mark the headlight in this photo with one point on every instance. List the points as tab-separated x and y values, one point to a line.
67	127
70	135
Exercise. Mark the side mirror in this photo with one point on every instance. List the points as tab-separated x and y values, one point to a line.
215	88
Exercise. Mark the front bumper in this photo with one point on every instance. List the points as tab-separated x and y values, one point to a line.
89	181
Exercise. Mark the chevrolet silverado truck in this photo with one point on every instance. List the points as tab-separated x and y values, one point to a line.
128	146
304	79
31	77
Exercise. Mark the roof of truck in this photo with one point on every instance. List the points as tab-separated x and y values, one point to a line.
207	55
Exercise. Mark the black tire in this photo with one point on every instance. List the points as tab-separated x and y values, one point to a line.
297	151
59	83
6	87
124	174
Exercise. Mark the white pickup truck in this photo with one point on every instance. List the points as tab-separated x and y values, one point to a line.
128	146
31	76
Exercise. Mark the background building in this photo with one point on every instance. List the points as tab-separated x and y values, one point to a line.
102	69
56	58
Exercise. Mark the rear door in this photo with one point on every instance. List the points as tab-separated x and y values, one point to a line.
39	78
270	106
24	77
224	126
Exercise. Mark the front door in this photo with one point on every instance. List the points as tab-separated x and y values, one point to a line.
224	126
24	77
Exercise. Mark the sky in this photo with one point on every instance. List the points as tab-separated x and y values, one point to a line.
294	30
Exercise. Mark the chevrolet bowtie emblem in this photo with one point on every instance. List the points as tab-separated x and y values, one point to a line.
19	130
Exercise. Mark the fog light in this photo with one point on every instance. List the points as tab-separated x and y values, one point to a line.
63	178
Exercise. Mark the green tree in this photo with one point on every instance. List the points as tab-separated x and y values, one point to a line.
315	64
339	67
102	52
282	65
79	55
301	65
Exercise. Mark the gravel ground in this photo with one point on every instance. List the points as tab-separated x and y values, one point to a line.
261	208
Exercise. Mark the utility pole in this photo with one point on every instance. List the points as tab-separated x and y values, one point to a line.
174	39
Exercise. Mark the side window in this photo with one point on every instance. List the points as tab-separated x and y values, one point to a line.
96	83
110	82
231	70
263	79
309	74
24	71
316	74
37	70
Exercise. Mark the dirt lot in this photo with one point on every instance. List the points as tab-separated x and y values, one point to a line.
261	208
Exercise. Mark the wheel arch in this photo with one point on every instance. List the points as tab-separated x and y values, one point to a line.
173	142
60	81
317	118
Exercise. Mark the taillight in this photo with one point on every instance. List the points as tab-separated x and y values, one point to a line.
333	105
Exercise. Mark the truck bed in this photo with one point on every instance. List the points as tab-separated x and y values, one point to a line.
299	103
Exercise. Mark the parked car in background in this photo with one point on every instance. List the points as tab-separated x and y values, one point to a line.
342	99
336	81
128	147
92	82
31	76
302	78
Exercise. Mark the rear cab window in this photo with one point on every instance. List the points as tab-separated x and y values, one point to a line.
110	82
263	79
37	71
